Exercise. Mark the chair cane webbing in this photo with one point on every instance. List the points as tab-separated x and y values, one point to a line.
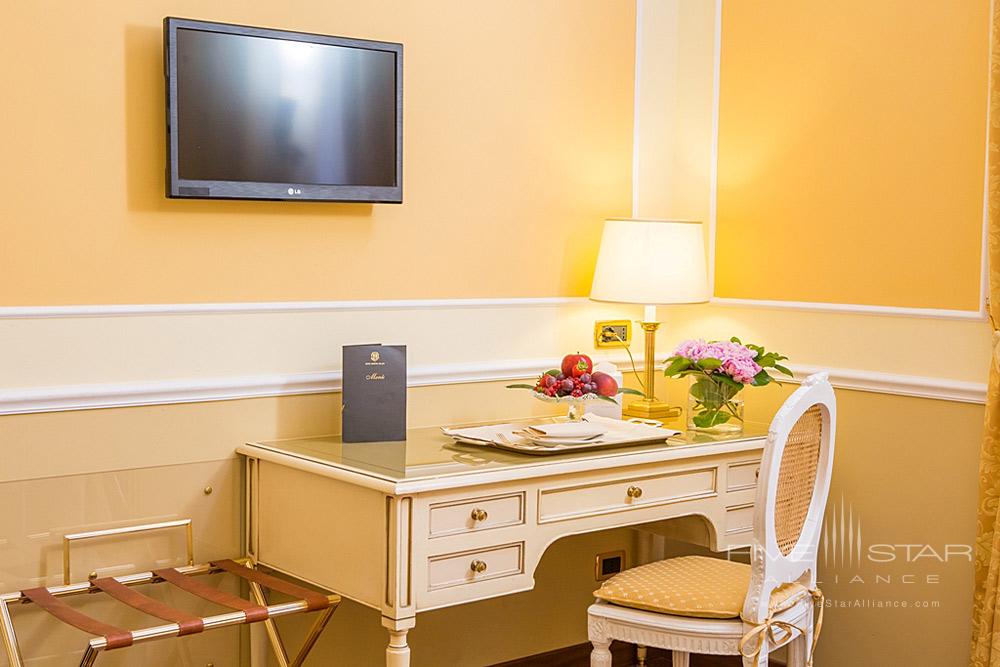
189	624
115	637
254	612
797	478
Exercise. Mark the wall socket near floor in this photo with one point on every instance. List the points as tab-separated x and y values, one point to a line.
608	564
612	333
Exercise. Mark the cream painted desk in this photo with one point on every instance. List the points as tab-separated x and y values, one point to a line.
405	527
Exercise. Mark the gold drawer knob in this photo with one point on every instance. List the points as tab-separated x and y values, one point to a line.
478	566
479	515
634	492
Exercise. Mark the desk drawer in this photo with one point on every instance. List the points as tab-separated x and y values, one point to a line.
469	567
742	476
739	519
466	516
571	502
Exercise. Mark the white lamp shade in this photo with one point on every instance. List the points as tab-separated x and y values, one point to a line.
651	262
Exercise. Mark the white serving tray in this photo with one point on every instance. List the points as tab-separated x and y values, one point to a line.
503	436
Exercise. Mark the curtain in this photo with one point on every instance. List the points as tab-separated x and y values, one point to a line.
986	622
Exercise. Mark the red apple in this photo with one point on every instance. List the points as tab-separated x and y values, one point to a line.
575	365
606	385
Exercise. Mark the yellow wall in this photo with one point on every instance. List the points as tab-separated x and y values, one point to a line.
517	144
851	151
517	124
906	467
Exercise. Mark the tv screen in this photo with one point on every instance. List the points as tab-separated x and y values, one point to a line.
268	114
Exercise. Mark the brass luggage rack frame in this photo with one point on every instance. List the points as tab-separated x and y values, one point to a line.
109	637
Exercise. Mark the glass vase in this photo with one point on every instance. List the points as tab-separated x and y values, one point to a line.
713	406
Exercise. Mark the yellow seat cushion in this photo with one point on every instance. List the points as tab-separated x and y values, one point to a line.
689	586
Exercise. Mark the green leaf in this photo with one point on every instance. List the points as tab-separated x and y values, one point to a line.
555	372
710	418
782	369
736	340
731	392
701	388
520	386
710	393
607	398
761	379
728	381
677	365
709	364
629	390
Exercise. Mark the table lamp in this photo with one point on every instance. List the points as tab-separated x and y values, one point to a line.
651	262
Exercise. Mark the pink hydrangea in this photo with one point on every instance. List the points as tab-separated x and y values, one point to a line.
741	370
737	360
692	349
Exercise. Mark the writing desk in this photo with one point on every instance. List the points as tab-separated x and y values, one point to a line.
405	527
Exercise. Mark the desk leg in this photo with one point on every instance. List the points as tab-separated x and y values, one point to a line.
397	654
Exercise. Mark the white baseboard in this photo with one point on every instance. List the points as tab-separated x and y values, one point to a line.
95	396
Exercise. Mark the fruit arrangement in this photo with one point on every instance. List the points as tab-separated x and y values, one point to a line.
575	379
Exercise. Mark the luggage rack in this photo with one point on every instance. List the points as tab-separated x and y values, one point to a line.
180	623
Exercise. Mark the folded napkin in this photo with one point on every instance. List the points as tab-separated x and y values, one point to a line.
637	428
485	434
567	430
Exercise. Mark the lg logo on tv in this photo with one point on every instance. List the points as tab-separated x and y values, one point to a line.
294	191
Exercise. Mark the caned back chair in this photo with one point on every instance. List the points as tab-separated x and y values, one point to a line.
708	605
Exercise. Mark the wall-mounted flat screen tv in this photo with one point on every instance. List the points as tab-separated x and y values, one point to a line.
254	113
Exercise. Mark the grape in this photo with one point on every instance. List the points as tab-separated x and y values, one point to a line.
549	380
561	377
567	385
585	378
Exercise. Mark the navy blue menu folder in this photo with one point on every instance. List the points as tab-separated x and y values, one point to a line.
374	393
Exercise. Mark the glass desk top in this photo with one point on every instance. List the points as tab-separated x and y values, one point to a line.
428	453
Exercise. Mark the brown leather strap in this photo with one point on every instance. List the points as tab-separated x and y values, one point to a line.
115	637
313	600
252	611
189	624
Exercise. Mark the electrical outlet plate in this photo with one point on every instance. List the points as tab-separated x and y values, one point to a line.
608	564
612	333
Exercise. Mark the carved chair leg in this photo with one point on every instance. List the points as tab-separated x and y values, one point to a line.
601	655
680	659
798	648
640	655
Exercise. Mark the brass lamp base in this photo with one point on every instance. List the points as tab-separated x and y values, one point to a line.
651	409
